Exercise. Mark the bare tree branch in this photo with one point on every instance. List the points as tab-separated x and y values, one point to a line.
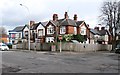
109	17
3	30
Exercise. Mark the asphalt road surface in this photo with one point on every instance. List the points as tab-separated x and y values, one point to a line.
65	62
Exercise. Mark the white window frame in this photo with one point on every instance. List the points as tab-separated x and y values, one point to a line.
75	30
50	29
83	31
25	33
40	32
62	30
19	35
49	39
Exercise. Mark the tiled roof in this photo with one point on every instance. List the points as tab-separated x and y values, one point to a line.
100	32
67	22
79	22
44	23
17	29
95	32
103	32
34	26
56	23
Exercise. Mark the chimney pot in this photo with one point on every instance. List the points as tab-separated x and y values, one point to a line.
75	17
66	15
32	22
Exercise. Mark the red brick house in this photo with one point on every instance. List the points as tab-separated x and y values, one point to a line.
60	27
67	26
84	30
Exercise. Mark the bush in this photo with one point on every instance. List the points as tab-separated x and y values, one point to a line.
79	38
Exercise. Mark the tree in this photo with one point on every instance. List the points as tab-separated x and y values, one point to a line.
109	18
3	30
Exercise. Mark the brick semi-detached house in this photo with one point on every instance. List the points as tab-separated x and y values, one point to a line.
64	26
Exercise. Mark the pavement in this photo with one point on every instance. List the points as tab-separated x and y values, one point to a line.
24	61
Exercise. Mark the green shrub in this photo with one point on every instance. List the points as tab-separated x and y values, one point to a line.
79	38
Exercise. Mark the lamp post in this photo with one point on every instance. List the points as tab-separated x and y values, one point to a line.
28	26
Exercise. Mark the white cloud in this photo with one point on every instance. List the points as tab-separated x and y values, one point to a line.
40	10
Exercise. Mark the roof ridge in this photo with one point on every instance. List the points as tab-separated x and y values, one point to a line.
62	21
68	21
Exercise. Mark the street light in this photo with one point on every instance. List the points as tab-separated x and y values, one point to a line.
28	26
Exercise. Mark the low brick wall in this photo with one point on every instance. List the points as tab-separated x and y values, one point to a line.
65	47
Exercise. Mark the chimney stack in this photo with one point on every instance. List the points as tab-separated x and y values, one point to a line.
32	22
96	28
66	15
55	17
75	17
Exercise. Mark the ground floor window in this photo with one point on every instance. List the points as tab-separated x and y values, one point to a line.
49	39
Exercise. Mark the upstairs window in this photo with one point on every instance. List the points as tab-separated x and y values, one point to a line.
26	33
40	32
62	30
50	29
83	31
18	35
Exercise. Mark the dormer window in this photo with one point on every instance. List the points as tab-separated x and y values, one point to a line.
50	29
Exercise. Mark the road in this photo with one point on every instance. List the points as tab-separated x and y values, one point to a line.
65	62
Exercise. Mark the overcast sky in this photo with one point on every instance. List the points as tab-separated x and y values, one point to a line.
13	14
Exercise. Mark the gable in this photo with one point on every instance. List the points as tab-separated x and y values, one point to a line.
83	27
50	24
83	24
40	27
26	29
